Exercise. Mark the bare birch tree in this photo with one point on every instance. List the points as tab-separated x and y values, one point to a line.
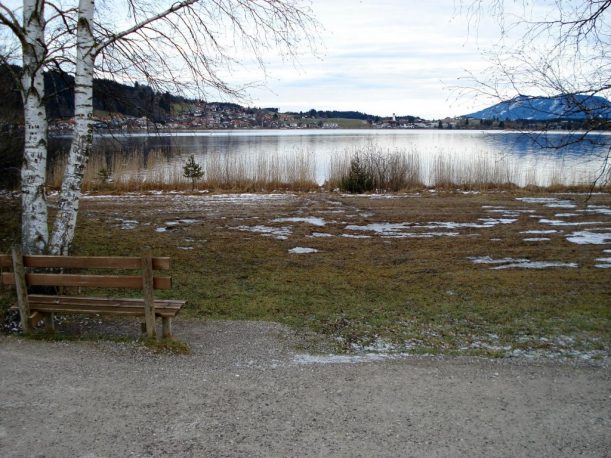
551	48
170	44
30	33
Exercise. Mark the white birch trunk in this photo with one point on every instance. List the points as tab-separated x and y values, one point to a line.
65	222
34	229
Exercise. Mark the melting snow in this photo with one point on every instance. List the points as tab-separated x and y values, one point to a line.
301	250
551	202
181	221
314	221
536	265
510	263
548	231
320	234
380	228
128	224
485	223
537	239
605	263
280	233
558	222
566	215
589	238
489	260
598	209
395	230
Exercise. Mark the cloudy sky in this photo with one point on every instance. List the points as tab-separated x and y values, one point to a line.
384	57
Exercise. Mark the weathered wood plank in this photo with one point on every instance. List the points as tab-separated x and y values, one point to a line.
39	309
82	300
102	310
49	322
148	292
22	289
92	262
6	261
87	281
166	327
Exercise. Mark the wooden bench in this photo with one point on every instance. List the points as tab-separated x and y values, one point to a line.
58	272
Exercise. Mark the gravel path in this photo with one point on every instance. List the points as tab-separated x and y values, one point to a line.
245	392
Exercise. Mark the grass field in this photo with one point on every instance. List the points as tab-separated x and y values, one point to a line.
392	272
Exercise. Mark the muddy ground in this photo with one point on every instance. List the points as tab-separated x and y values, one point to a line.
246	391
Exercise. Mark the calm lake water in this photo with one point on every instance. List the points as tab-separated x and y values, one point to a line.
527	158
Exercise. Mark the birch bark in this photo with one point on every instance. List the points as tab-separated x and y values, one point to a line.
65	221
35	233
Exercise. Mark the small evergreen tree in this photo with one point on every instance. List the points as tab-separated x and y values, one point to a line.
359	179
193	171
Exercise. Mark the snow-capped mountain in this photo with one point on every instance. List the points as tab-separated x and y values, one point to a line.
562	107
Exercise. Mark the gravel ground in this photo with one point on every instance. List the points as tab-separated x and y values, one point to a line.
245	391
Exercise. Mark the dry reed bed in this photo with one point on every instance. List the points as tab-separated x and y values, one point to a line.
389	171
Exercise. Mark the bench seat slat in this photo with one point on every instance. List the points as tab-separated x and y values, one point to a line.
121	306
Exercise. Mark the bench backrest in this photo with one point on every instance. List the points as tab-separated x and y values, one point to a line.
86	262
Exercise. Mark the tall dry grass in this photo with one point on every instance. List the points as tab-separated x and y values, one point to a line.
122	172
387	170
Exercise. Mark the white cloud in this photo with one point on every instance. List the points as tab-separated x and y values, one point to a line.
382	57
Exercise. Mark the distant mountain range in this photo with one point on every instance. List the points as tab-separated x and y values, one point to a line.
562	107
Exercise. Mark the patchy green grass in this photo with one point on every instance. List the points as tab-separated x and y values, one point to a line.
420	295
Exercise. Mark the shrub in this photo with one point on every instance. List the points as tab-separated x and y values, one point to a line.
359	179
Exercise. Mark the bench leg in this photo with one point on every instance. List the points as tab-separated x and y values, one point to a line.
49	322
166	325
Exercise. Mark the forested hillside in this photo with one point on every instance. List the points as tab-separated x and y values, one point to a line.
108	96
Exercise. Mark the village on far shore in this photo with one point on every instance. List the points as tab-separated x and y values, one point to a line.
219	116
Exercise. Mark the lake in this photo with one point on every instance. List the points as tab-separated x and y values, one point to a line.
523	158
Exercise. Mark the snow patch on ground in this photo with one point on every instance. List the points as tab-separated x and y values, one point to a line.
280	233
178	222
398	229
558	222
320	235
537	239
537	265
604	263
511	212
546	231
510	263
127	224
380	228
598	210
302	250
489	260
550	202
589	238
313	220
